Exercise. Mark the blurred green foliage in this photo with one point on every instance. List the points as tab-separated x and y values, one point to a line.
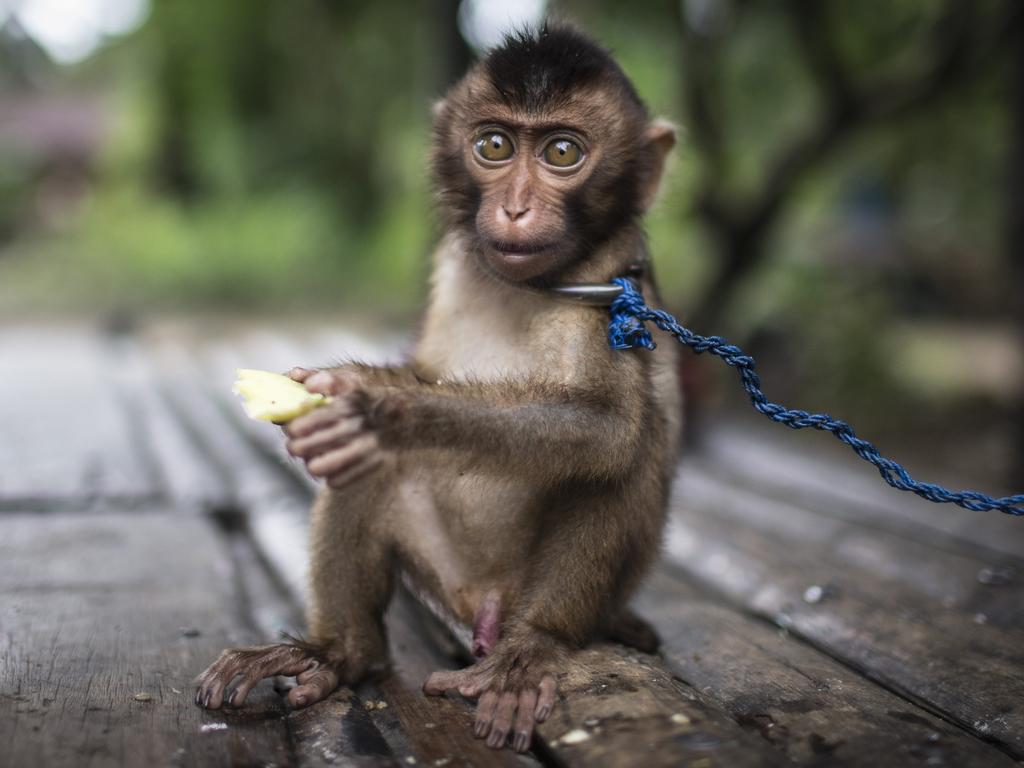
260	151
273	156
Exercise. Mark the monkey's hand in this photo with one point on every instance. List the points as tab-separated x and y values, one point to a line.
515	687
339	441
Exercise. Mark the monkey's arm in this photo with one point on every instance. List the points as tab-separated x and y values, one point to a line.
589	429
538	428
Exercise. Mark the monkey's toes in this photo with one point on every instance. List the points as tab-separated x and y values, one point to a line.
467	682
546	700
314	684
208	695
500	714
514	714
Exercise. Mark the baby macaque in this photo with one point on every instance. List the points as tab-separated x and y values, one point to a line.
517	469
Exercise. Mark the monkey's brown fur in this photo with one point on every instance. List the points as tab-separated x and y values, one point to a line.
517	468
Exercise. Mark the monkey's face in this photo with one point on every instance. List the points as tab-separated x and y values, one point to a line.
537	189
527	175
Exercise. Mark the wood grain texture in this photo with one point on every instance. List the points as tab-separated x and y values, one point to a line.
619	707
186	476
68	438
813	709
257	484
979	583
339	733
105	621
814	471
969	672
276	503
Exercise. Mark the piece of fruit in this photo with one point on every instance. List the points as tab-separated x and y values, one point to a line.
273	397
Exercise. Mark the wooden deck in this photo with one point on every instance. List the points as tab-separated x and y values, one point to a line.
810	616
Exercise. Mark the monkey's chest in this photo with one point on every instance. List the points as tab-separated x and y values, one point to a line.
474	352
476	333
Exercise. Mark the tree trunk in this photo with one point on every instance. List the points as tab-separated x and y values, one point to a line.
739	251
455	52
1015	214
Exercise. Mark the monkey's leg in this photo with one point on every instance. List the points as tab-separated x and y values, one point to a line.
592	551
351	572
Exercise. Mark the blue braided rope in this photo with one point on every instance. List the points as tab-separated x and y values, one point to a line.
626	330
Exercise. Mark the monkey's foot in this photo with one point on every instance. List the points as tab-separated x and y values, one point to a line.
316	678
515	692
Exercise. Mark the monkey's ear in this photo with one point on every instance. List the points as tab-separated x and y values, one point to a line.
659	138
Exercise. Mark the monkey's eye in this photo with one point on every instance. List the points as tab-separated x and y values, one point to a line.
562	153
494	146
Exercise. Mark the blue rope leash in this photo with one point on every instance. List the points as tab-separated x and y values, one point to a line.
626	330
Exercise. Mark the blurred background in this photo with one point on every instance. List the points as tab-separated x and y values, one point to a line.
847	201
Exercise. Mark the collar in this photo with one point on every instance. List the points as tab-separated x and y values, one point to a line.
590	294
594	294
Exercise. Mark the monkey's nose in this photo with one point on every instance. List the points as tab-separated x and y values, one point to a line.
515	213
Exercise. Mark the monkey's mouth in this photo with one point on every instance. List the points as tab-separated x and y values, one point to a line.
507	248
519	262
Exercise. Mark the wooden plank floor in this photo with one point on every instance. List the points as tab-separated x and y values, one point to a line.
810	617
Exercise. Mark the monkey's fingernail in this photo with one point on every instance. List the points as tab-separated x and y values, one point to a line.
543	714
496	739
206	699
300	701
521	743
480	728
231	697
199	695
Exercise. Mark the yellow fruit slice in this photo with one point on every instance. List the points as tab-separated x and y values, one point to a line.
273	397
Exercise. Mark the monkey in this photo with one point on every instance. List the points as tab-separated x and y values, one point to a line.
515	469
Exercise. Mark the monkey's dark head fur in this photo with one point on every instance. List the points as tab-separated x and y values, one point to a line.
539	70
543	152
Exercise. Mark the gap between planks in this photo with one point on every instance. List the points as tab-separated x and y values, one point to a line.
833	482
935	657
807	704
106	621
